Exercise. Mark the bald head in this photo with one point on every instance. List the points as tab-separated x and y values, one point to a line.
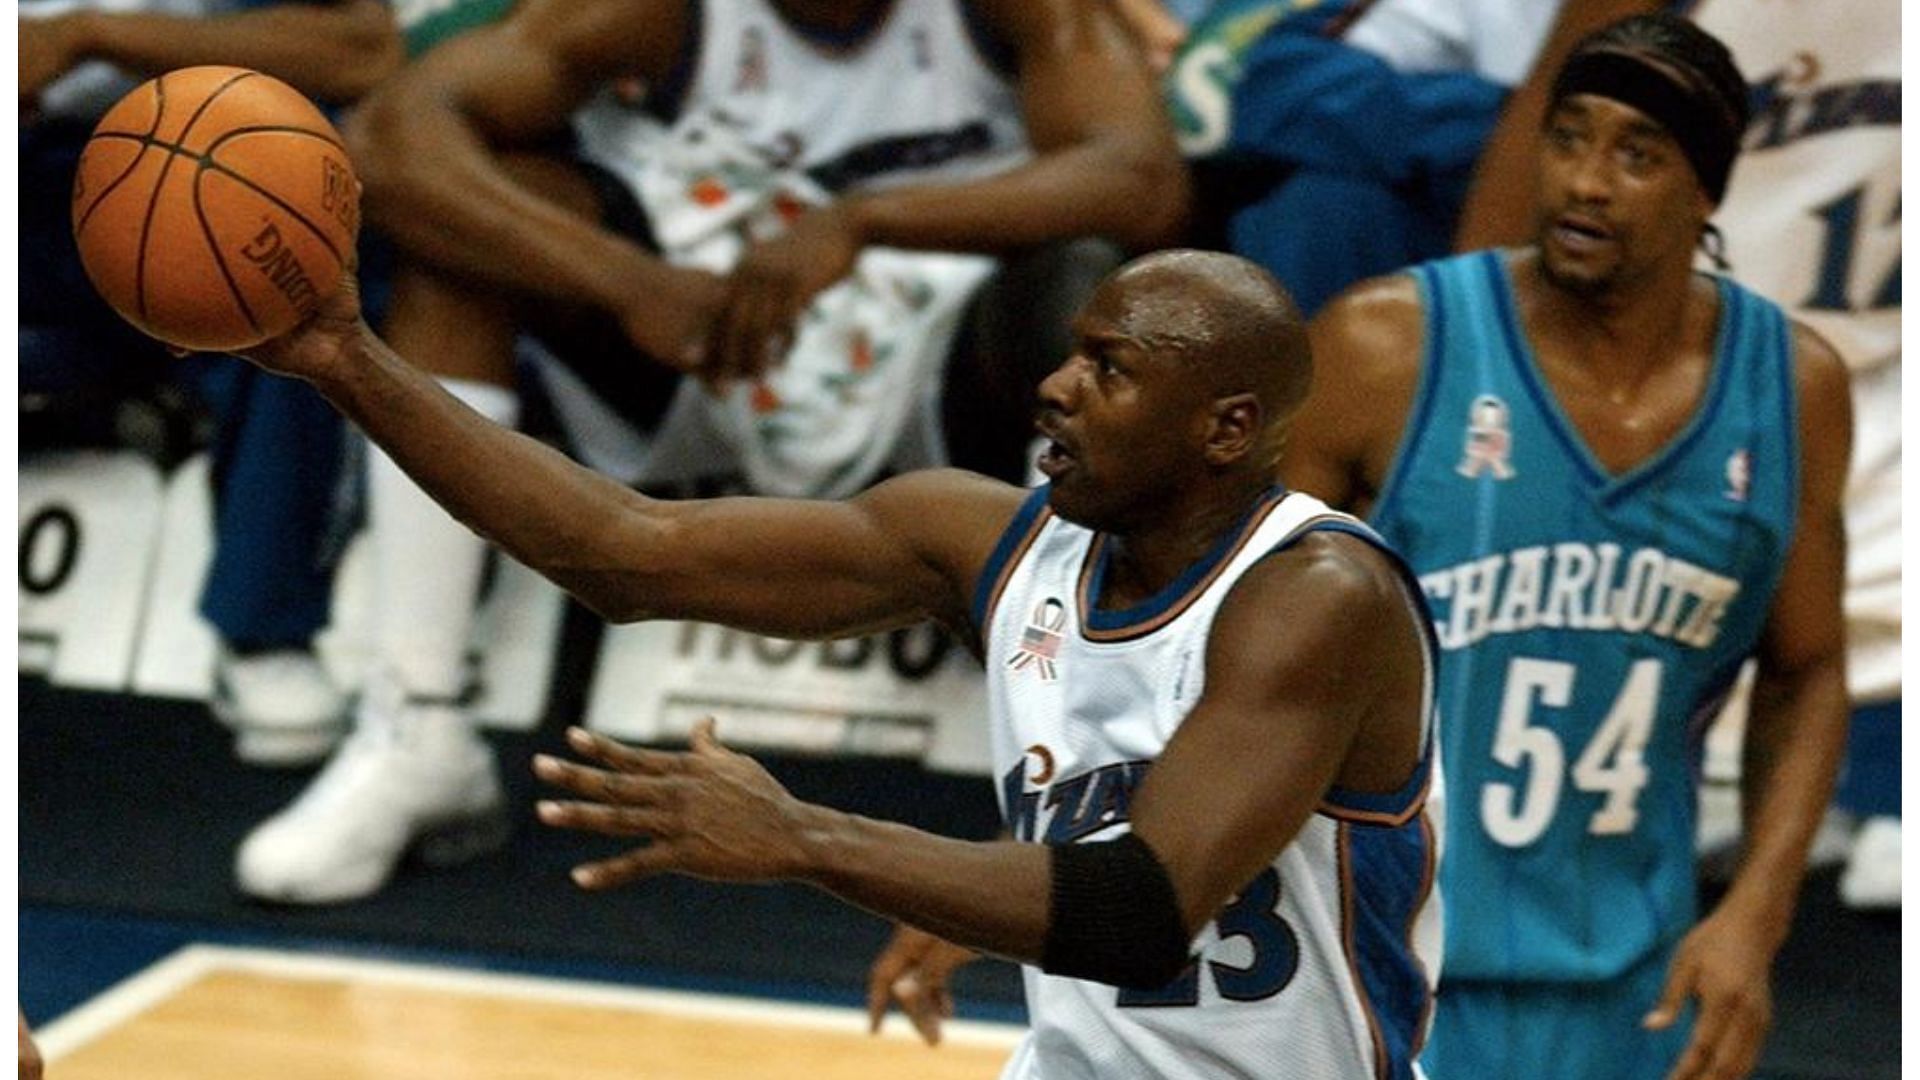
1233	321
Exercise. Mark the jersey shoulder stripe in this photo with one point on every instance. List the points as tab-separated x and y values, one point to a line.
1019	535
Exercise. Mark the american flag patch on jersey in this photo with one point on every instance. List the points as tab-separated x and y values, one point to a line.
1039	646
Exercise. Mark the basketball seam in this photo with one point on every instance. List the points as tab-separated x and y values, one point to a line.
210	162
159	111
219	257
149	140
153	198
281	129
205	161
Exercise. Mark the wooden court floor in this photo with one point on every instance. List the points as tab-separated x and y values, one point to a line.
213	1011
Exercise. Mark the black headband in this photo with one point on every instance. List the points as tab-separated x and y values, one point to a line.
1707	135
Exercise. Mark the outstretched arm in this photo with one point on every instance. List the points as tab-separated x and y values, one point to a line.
1796	731
331	51
1285	701
907	550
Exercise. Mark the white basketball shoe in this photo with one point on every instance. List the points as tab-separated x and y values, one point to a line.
283	707
412	777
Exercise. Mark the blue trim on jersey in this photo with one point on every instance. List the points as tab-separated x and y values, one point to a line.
1391	803
1729	336
1016	532
1397	864
1180	587
1780	326
1426	393
1523	361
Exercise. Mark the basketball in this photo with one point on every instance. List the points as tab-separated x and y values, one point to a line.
214	207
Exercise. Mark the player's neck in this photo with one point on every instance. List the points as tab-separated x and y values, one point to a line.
1143	561
1628	330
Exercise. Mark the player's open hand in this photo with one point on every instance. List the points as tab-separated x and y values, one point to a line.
913	971
707	812
1725	966
770	288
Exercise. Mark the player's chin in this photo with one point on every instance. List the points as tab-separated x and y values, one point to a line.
1072	497
1578	276
1067	497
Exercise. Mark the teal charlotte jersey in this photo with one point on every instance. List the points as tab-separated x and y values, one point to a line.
1590	625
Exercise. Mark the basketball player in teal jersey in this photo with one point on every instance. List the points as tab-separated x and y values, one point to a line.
1617	479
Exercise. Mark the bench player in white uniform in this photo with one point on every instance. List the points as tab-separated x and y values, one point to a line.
1212	699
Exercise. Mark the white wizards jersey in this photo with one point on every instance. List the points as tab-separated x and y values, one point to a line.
918	94
1323	966
1812	222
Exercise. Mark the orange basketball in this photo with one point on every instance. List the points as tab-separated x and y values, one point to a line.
214	207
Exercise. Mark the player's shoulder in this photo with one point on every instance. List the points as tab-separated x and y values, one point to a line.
1817	364
1335	573
1383	309
1821	385
1367	347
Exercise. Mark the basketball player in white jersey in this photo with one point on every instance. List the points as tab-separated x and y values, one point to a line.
1000	127
1211	698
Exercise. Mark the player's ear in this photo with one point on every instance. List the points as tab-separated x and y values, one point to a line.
1233	426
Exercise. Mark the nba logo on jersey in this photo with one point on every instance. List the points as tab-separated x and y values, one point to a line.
1739	474
1489	439
1039	646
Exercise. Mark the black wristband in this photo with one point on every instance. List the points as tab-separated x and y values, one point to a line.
1113	916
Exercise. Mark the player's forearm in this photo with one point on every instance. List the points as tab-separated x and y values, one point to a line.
434	186
1796	732
583	531
334	53
1134	195
992	896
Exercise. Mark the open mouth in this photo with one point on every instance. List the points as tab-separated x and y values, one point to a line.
1577	232
1054	459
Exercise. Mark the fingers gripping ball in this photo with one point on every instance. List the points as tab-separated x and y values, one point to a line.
214	207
